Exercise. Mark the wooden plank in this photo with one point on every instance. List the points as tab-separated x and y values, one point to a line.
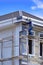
13	57
6	39
29	36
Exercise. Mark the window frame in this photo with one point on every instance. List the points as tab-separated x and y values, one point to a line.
40	42
40	49
33	44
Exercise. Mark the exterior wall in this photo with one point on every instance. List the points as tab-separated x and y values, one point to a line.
6	47
34	60
10	47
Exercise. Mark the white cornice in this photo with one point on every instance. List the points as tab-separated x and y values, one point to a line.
34	21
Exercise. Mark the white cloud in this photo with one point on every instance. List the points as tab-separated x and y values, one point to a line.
38	3
33	7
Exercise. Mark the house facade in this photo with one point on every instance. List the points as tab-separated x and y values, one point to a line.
21	39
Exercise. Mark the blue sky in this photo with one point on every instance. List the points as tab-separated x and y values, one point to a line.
34	7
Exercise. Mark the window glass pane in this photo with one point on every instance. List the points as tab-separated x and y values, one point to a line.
7	62
30	46
23	46
7	52
23	49
40	49
33	46
41	35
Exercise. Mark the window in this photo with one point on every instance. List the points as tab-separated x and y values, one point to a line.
40	49
23	43
23	46
20	62
41	37
30	46
7	47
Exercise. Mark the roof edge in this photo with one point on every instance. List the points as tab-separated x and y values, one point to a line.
18	13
